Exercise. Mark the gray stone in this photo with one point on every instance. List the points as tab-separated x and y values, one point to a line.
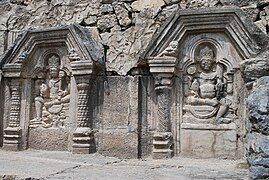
48	139
255	68
122	14
143	4
118	144
258	137
106	8
90	20
106	22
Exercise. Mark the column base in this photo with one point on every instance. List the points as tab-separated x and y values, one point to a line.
12	139
162	145
83	141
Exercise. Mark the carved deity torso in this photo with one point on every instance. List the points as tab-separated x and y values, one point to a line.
207	85
205	100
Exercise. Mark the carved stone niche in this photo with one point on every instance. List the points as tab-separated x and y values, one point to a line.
207	110
48	75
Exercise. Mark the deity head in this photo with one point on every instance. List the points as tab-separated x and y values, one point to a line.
206	58
54	66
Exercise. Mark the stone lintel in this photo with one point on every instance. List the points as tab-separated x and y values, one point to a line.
163	69
12	70
231	126
81	67
162	65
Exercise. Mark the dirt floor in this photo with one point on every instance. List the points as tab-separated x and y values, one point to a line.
32	164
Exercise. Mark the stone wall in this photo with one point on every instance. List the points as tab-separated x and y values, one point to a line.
132	104
125	27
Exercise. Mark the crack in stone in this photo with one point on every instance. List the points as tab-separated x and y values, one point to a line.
63	171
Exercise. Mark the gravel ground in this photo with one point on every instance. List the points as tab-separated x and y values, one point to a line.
32	164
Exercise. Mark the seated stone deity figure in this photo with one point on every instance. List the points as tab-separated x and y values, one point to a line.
54	96
206	96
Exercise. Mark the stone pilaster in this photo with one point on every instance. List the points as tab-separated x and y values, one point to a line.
163	70
13	133
83	137
163	138
83	140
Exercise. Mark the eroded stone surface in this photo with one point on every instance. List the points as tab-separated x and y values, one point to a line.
258	137
135	77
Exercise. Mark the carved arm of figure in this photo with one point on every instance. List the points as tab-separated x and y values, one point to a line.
220	81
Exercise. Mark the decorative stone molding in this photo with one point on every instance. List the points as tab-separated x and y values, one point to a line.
163	69
55	61
232	21
83	140
13	133
204	49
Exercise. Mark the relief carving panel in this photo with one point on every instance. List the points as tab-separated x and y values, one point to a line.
208	89
53	94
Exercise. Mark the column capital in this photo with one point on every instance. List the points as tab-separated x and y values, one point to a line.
163	69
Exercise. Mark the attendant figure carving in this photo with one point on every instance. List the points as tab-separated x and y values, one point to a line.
52	103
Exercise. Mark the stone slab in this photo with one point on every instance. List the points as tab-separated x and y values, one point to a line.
48	139
208	143
118	143
120	106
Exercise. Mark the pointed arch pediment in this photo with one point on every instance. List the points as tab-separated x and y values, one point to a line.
33	45
245	36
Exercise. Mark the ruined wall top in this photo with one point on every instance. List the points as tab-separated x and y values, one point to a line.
124	28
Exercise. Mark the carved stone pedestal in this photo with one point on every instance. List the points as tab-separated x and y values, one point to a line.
83	141
12	139
162	145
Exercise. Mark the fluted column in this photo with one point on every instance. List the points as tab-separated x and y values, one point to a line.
13	133
162	69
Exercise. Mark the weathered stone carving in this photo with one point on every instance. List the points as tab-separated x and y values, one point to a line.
171	50
52	103
258	137
208	96
163	69
12	134
84	135
208	88
73	56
